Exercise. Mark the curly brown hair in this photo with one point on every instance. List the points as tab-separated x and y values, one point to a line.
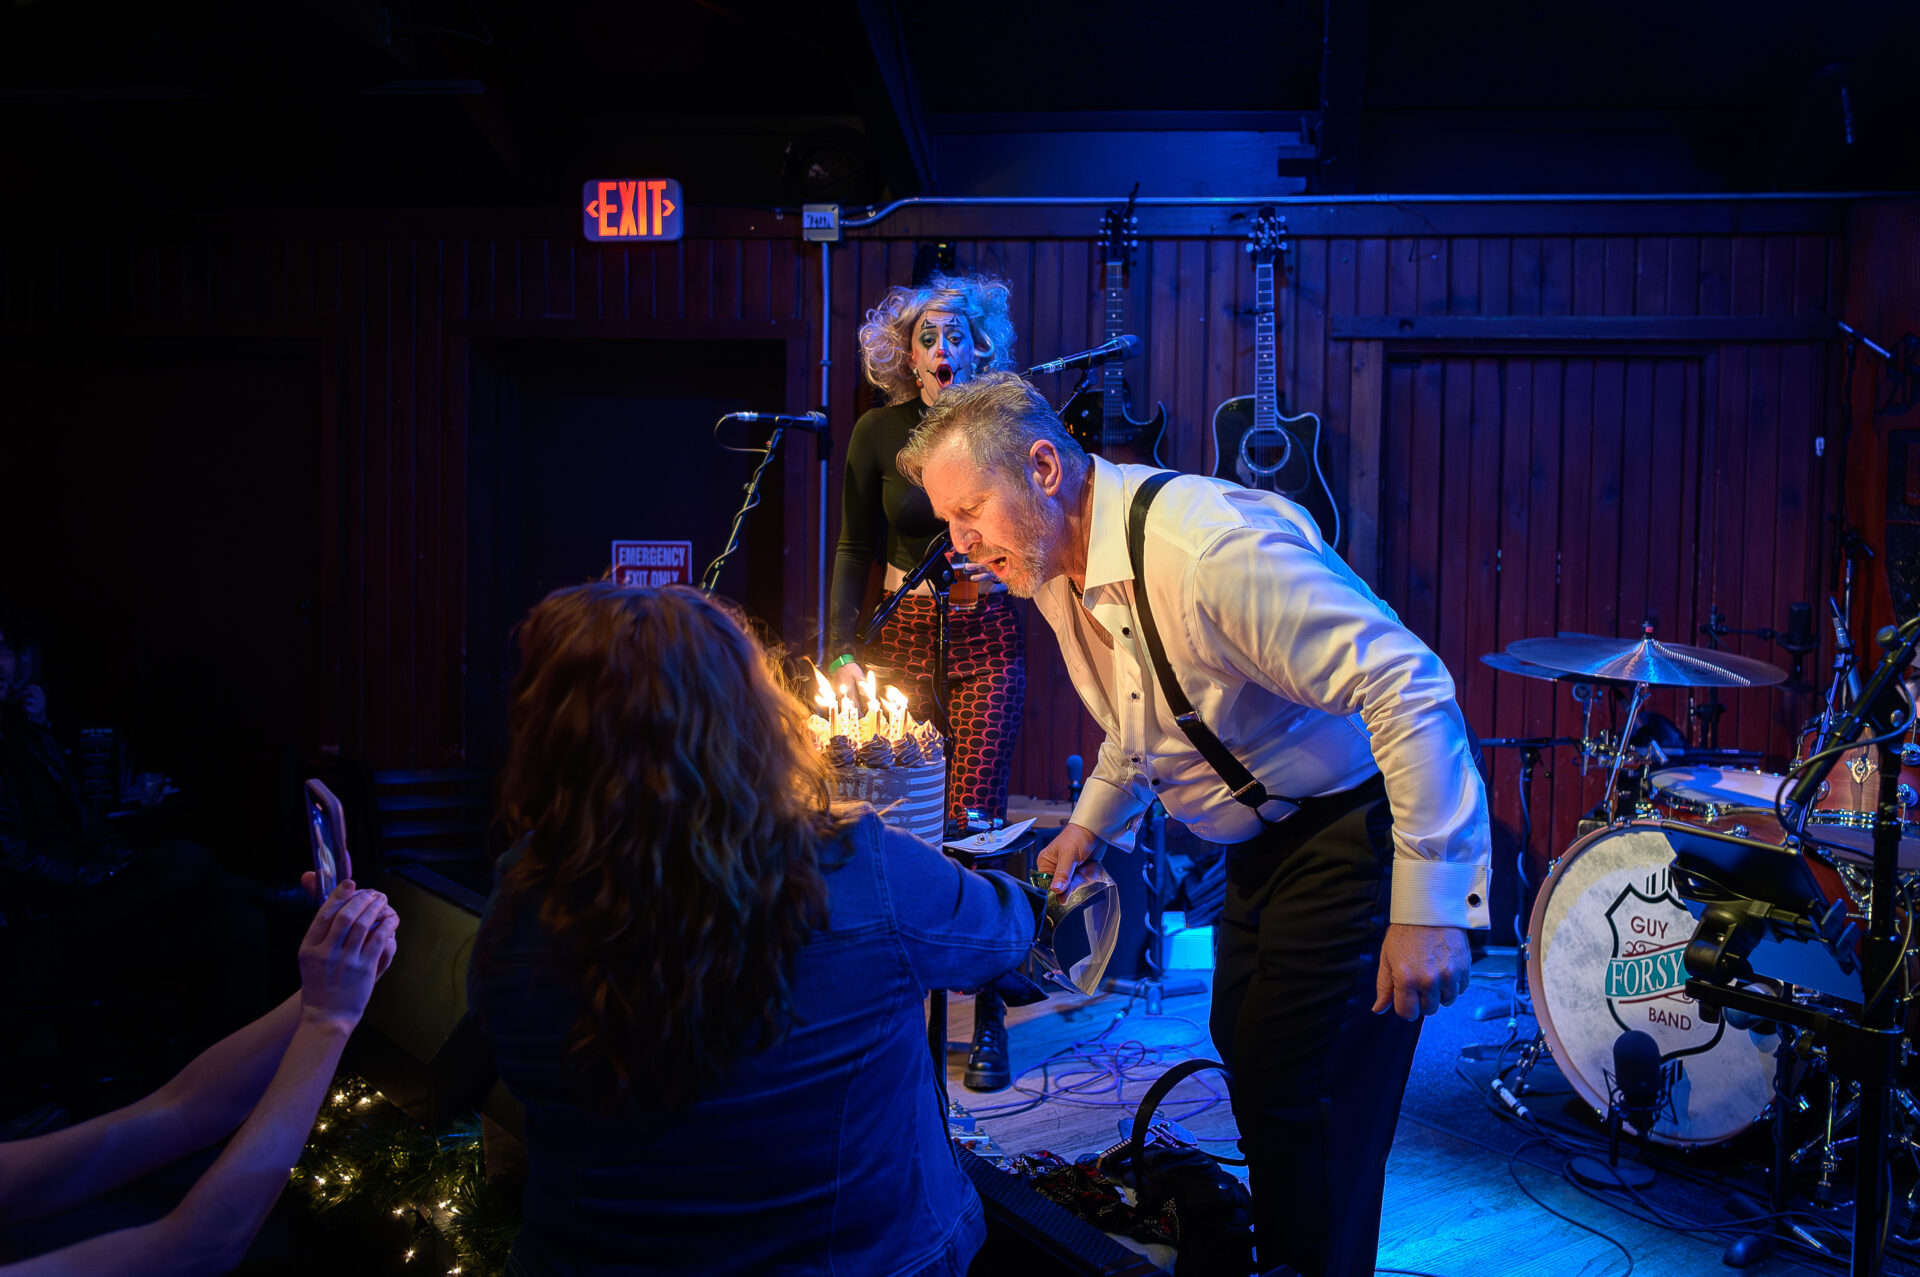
672	810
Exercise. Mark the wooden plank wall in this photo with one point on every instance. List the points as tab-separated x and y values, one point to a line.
1883	303
1457	457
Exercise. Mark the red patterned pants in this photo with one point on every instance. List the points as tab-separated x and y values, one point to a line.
987	672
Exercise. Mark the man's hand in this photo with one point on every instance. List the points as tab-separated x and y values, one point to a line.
1067	852
345	951
1421	969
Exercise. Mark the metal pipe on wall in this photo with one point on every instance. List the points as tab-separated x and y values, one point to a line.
1202	201
824	446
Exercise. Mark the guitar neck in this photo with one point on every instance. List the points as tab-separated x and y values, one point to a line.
1112	395
1266	379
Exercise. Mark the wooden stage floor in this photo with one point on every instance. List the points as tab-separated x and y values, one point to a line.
1455	1205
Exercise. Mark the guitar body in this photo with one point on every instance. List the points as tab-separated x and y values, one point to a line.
1128	442
1283	457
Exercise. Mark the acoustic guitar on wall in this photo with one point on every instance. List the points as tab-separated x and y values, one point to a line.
1255	444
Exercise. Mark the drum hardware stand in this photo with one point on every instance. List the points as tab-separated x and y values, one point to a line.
1867	1048
1530	748
1640	691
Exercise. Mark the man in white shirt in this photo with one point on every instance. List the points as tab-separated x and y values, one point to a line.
1347	897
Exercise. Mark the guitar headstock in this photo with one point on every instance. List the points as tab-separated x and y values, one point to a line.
1119	232
1267	236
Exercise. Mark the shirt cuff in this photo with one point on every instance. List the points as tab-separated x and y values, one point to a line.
1108	811
1439	893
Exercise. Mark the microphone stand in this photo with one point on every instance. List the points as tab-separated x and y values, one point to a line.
933	568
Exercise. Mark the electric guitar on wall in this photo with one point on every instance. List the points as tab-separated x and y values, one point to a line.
1253	443
1099	419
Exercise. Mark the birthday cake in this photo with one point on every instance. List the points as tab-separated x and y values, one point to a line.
885	758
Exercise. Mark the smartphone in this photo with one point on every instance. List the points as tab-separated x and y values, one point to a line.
327	831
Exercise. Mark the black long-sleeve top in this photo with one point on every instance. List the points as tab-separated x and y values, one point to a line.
880	514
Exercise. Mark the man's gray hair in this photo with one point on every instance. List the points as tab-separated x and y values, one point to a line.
997	416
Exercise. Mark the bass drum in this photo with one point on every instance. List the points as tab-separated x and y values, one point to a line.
1604	957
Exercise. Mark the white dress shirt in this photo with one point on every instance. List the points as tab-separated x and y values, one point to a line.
1303	673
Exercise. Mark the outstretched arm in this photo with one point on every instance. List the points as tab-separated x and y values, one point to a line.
201	1105
347	947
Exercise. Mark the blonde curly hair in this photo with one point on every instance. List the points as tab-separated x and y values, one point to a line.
887	336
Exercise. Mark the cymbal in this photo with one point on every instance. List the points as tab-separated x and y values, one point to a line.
1507	664
1644	660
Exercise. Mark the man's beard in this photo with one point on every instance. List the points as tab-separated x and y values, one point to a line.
1034	526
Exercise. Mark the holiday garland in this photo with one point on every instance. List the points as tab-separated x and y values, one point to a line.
368	1161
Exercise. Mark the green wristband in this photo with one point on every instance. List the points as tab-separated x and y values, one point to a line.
838	661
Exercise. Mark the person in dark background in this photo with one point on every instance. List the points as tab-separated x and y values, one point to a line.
703	976
917	342
106	902
18	664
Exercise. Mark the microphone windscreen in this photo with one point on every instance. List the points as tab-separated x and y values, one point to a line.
1129	345
1636	1069
1076	768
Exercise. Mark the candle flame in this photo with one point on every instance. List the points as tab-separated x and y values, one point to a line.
825	696
896	699
868	689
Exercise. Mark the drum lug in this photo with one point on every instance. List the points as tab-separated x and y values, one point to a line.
1907	796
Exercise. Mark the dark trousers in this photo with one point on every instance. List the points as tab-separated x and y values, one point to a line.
1317	1077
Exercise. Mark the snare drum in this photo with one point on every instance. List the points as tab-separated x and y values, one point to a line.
1733	800
1605	951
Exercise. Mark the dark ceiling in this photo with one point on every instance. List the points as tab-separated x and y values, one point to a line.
382	102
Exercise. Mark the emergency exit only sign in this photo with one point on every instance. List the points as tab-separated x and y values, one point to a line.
652	562
646	210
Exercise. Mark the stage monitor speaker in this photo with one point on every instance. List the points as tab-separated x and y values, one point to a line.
420	1005
1026	1233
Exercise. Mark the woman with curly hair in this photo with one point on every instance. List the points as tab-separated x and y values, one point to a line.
914	344
703	977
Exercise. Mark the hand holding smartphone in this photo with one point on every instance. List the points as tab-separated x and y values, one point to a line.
327	832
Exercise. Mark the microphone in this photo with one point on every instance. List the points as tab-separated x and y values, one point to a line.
1799	638
814	421
1843	648
1636	1075
1076	776
1125	346
933	565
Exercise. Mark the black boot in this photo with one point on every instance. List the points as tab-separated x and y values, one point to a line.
987	1061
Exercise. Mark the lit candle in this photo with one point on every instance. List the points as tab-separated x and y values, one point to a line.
870	723
896	714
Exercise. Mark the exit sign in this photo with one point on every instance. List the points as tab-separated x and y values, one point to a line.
646	209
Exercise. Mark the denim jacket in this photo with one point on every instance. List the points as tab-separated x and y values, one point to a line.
824	1154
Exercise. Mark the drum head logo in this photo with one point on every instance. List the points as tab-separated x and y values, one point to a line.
1646	977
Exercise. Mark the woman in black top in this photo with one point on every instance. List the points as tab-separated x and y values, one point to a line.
914	344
